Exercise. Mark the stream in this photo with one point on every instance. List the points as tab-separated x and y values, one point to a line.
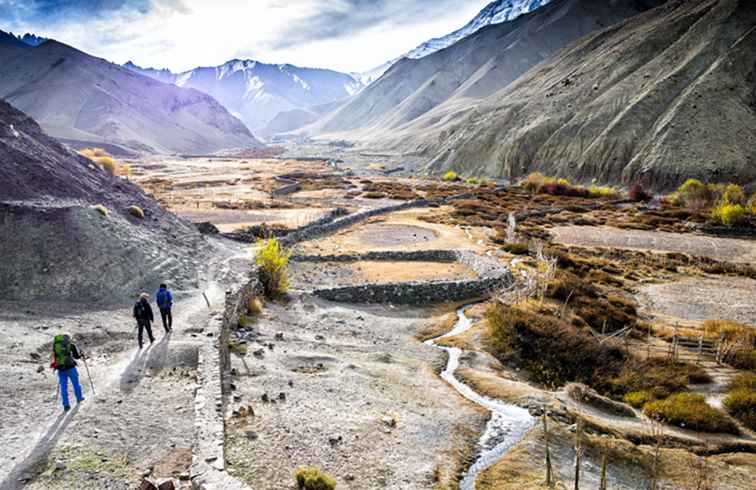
508	423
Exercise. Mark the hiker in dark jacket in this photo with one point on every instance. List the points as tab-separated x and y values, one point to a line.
143	316
164	300
63	360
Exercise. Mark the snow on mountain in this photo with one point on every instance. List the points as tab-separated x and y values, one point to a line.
257	92
495	12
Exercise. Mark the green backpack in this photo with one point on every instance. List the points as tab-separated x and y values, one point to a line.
62	352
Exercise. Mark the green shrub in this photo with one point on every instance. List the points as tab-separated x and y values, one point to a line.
603	192
450	176
729	214
639	398
272	260
693	193
101	209
690	410
472	181
733	194
136	212
311	478
741	404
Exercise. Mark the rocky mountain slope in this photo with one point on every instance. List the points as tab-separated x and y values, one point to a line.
468	71
257	92
667	95
64	249
495	12
78	97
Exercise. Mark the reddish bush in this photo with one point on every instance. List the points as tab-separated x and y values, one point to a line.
639	194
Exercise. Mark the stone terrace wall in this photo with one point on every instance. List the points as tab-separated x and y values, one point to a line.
492	275
312	231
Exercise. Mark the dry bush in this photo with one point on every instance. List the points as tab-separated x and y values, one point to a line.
516	248
694	194
311	478
101	209
136	212
738	342
638	193
658	377
639	398
535	181
734	194
254	305
690	410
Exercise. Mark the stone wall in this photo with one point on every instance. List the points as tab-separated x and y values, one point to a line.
492	275
208	471
312	231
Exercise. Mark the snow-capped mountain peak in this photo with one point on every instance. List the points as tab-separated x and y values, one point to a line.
495	12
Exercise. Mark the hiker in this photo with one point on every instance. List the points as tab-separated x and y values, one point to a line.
164	300
64	357
143	315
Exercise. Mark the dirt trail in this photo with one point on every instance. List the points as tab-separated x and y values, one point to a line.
139	420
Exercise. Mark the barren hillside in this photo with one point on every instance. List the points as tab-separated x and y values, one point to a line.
667	95
469	70
63	248
79	97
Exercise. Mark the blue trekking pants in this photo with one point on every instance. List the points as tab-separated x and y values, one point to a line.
63	376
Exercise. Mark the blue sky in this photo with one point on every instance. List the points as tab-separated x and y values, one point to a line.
346	35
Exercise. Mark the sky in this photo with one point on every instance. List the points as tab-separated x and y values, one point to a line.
344	35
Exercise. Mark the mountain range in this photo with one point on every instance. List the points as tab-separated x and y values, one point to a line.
89	101
258	92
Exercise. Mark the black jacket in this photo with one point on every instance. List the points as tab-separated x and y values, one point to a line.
143	311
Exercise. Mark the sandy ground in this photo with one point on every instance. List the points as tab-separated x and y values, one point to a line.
728	249
361	399
139	420
403	231
306	275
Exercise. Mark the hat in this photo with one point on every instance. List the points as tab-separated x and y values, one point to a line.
144	296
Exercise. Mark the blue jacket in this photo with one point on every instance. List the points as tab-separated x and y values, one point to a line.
164	298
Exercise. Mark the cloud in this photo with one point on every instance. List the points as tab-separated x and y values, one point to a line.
342	19
346	35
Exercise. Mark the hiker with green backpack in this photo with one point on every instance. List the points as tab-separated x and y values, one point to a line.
64	357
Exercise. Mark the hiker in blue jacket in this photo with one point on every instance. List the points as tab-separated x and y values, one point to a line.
165	303
63	360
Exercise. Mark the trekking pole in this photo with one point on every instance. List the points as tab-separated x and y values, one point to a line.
88	375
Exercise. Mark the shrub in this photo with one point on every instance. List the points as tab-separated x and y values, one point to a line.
733	194
272	260
516	248
450	176
109	164
752	204
535	181
743	380
563	182
729	214
659	377
136	212
101	209
690	410
310	478
603	192
254	305
124	170
741	404
472	181
693	193
374	195
638	194
639	398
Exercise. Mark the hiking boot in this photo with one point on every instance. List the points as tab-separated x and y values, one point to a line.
66	408
79	401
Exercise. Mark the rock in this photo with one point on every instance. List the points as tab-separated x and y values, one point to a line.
60	466
265	398
389	421
251	435
34	356
259	352
319	337
279	336
184	476
535	411
237	398
40	369
25	477
147	485
291	383
167	485
207	228
270	346
349	477
334	441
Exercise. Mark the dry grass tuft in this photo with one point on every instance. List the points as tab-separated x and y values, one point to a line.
136	212
311	478
101	209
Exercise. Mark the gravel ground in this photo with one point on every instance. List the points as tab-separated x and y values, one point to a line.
728	249
361	399
726	298
141	418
